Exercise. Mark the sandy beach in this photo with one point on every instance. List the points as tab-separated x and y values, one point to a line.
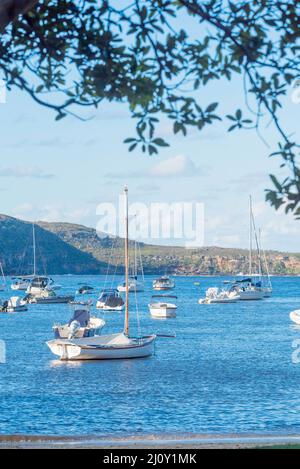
149	442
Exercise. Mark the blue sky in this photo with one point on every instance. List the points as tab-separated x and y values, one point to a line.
60	171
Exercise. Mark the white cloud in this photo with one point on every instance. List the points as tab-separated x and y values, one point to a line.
179	165
24	172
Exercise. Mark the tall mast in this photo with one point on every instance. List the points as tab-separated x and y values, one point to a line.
126	322
34	250
250	236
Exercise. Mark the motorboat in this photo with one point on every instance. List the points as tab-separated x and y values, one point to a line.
38	285
81	324
163	283
162	309
13	305
85	290
135	285
110	300
21	283
48	296
112	346
215	295
295	316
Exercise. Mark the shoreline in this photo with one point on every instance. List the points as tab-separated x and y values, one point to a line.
229	441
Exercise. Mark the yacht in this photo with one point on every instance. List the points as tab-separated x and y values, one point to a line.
110	300
250	288
163	283
134	286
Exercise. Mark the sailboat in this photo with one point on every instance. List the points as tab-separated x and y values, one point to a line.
248	288
112	346
135	285
266	279
3	284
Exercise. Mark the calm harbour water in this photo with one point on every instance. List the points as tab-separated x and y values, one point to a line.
229	369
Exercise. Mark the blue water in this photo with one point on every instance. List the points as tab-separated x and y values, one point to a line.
228	370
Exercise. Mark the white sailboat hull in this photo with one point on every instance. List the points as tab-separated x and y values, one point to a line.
102	348
251	295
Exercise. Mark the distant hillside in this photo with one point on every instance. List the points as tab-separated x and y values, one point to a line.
54	255
175	260
64	248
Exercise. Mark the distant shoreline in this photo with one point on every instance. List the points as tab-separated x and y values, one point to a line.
234	441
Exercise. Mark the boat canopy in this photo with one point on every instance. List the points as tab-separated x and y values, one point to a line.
41	282
82	316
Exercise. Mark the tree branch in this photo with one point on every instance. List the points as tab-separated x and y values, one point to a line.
11	9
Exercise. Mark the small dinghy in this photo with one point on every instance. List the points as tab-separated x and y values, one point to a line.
13	305
110	300
81	325
162	309
214	295
295	316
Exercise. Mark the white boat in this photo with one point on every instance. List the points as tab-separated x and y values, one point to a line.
39	285
29	283
112	346
163	283
162	309
135	286
13	305
81	325
110	300
295	316
214	295
105	347
248	290
21	283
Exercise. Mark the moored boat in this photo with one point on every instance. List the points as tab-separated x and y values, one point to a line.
112	346
162	309
214	295
163	283
81	324
14	304
110	300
